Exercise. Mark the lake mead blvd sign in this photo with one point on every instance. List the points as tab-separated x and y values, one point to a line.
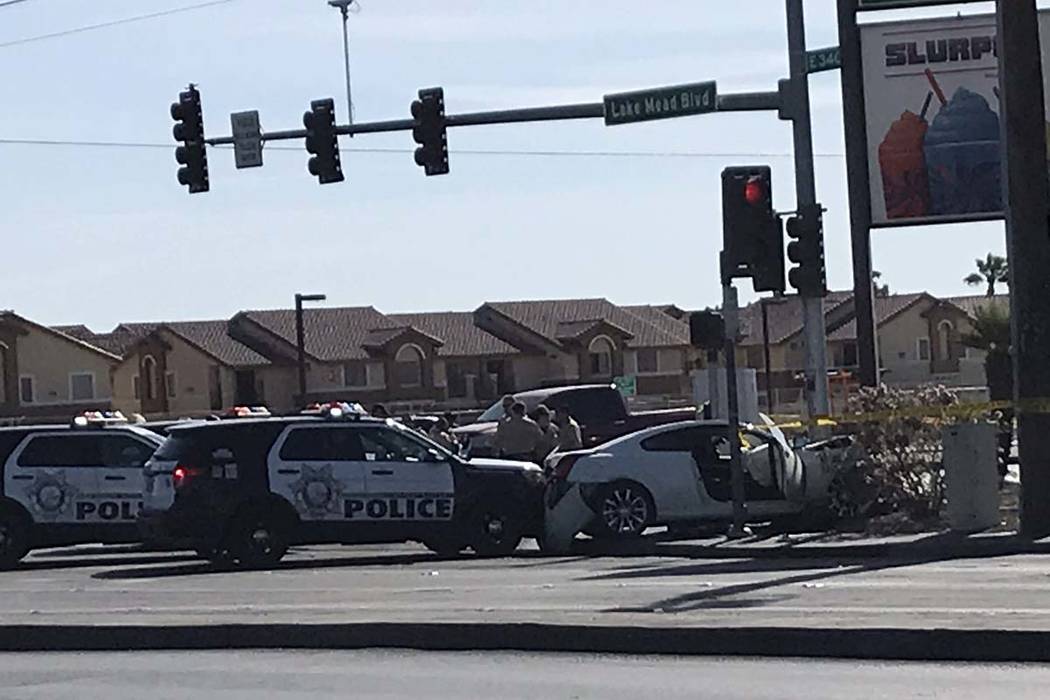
661	103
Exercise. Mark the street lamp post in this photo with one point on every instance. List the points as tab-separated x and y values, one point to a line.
300	340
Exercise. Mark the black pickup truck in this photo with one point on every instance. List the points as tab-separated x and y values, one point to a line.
600	409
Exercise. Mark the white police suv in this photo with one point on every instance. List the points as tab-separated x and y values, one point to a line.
71	484
245	490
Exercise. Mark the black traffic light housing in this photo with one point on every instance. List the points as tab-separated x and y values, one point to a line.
753	238
322	142
806	251
429	131
189	130
707	330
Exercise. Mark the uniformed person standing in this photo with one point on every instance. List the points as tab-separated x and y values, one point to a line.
569	437
549	440
439	433
518	437
507	402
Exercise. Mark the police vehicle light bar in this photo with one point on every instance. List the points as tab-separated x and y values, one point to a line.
248	412
335	410
98	418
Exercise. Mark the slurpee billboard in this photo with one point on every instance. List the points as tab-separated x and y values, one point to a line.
931	92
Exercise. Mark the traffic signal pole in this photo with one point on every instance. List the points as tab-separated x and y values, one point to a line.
814	330
1028	244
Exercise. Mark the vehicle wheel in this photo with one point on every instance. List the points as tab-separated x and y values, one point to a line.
219	556
14	539
495	534
257	539
625	509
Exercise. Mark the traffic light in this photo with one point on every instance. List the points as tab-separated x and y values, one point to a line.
753	238
707	330
428	129
322	142
806	250
189	129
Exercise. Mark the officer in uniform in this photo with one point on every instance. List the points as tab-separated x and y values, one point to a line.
569	437
549	441
518	437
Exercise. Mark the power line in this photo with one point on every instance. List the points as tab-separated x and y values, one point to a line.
112	23
472	152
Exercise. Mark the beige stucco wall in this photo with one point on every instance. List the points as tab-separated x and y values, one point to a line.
123	390
899	347
280	385
191	368
50	359
531	371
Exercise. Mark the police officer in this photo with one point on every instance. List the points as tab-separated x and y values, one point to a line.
518	437
507	402
549	440
439	433
569	437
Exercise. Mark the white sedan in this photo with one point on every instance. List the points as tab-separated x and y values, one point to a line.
669	474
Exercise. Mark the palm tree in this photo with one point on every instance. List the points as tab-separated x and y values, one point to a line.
991	333
991	271
881	290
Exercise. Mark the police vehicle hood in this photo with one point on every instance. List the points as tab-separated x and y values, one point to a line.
502	465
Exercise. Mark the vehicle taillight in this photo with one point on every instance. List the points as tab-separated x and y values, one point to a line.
563	466
183	475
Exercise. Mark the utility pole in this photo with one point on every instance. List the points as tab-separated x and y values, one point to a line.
731	314
300	338
806	196
1026	192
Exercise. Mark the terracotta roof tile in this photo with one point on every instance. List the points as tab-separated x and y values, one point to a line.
456	328
330	334
213	338
543	317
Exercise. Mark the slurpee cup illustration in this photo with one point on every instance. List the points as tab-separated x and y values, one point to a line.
902	160
963	156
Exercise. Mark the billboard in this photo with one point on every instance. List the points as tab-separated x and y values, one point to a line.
931	91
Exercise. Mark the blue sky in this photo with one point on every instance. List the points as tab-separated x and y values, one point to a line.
102	235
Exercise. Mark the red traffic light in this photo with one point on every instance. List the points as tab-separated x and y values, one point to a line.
754	192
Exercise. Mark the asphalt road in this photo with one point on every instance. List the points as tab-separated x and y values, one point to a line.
680	584
436	676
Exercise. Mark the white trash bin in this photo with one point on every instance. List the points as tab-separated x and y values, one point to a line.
971	476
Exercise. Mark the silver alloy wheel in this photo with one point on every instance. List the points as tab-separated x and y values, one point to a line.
625	511
261	540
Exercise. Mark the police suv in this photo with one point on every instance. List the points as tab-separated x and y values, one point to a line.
245	490
71	484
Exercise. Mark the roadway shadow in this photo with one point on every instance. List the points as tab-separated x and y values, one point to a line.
86	562
820	563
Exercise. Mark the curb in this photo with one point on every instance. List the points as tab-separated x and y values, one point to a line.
870	643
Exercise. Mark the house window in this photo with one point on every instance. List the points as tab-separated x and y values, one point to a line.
944	339
149	372
648	360
601	353
136	387
408	366
169	384
355	374
849	355
26	390
923	349
82	386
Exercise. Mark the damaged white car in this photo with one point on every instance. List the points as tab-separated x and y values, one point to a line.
679	474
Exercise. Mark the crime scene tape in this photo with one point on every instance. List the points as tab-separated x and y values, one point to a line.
959	410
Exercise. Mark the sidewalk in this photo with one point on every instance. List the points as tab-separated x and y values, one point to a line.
917	597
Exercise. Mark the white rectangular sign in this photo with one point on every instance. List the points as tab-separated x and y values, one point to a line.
247	139
932	117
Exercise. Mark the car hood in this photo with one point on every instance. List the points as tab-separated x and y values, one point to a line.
502	465
475	428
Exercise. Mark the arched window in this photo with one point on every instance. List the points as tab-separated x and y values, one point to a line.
601	355
944	339
408	364
149	372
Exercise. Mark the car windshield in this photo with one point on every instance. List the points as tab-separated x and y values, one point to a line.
495	411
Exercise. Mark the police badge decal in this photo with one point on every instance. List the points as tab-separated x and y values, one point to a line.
317	492
51	495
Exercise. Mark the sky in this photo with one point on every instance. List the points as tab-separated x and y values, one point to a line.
101	235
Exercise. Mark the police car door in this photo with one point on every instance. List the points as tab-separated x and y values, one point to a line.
120	480
56	477
406	478
318	469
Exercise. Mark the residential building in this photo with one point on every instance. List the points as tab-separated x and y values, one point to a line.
47	372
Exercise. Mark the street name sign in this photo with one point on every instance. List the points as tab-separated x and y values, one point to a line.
819	60
661	103
247	139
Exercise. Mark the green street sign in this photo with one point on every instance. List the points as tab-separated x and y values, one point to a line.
823	59
661	103
627	384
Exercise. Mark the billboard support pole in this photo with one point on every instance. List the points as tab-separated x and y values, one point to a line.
1026	192
859	189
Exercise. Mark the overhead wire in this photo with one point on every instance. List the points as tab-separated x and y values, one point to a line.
112	23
